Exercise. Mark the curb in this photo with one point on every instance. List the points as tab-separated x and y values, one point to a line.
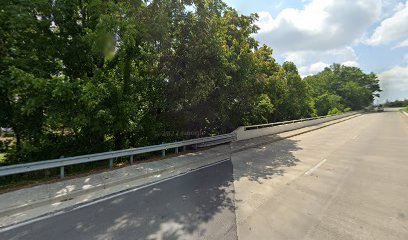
201	163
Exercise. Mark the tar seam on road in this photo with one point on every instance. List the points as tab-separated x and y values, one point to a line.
79	206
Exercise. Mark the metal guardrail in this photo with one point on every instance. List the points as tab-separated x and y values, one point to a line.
283	123
198	142
63	162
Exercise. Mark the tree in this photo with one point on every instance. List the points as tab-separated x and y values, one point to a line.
82	77
341	86
297	103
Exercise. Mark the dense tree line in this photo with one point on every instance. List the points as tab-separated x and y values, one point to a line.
396	103
341	88
83	76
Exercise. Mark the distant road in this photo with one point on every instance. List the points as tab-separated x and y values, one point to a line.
346	181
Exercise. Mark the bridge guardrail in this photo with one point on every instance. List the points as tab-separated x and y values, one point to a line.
241	133
283	123
248	132
63	162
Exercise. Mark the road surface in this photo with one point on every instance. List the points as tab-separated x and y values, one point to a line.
346	181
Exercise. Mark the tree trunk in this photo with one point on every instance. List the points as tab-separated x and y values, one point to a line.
118	141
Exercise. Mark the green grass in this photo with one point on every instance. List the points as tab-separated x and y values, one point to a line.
406	109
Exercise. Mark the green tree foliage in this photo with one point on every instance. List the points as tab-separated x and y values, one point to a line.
84	76
296	103
327	102
396	103
339	87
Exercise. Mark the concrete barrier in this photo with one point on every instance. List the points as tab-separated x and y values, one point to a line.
246	132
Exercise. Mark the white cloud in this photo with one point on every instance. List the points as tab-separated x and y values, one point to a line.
399	6
389	7
317	67
402	44
351	64
395	78
394	28
320	25
335	55
312	62
312	69
394	83
321	33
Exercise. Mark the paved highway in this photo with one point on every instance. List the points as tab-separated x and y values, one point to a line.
346	181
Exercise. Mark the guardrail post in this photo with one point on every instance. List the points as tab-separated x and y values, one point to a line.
176	150
163	153
62	173
111	163
184	148
131	160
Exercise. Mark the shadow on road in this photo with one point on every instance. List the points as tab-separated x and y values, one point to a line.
265	162
197	205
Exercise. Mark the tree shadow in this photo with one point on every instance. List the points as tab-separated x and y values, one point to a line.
193	206
197	205
265	161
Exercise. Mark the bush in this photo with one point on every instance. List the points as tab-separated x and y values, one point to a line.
54	146
5	144
334	111
327	103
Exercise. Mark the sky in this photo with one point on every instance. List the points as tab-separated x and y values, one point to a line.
370	34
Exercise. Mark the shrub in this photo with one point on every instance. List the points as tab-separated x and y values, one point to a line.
334	111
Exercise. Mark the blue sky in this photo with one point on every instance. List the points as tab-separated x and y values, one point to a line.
370	34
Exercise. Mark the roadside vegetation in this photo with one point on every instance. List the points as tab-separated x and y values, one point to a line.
80	77
396	103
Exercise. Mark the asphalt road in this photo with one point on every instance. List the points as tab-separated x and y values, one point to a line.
346	181
197	205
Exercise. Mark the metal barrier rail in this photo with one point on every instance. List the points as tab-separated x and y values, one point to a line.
198	142
62	162
283	123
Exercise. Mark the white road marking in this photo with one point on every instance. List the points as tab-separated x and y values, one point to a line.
5	229
315	167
